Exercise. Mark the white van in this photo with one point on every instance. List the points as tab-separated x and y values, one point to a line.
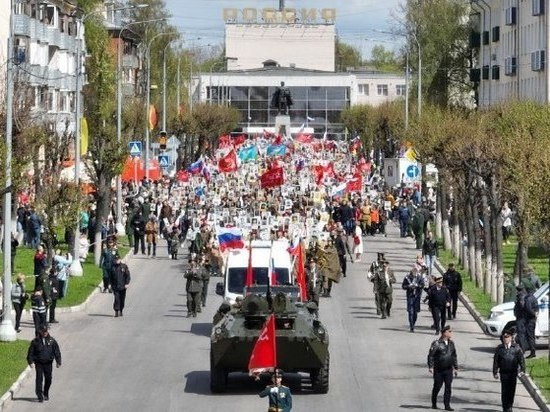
502	316
266	256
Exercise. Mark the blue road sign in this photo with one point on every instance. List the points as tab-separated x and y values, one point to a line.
135	148
164	162
413	171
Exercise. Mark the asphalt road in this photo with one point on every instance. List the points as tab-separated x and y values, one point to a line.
156	359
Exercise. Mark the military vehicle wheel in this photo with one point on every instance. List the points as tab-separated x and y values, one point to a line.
319	377
218	378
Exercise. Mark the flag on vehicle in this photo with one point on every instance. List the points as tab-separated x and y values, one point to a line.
264	355
230	238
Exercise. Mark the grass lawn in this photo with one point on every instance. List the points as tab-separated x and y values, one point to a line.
79	287
538	368
13	358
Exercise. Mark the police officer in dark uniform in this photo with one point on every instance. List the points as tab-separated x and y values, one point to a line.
193	288
120	281
280	398
443	364
42	352
453	281
508	362
205	272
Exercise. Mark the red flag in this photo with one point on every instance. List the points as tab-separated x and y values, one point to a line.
267	135
249	271
329	170
319	172
355	184
304	138
228	163
278	140
239	140
272	178
264	354
363	165
224	141
183	176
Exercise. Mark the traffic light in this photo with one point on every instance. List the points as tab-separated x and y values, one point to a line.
162	140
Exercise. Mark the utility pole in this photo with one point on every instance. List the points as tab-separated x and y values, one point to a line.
7	331
281	5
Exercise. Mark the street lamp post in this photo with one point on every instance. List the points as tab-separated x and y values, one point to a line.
7	331
148	96
164	86
119	226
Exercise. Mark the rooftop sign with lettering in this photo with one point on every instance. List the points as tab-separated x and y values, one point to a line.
271	15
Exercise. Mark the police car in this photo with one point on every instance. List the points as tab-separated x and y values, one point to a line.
502	316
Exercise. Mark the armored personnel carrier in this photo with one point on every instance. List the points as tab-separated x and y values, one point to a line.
302	340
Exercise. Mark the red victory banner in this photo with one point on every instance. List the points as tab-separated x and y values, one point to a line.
355	184
272	178
228	163
264	354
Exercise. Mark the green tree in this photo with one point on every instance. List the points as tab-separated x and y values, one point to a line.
106	153
205	125
384	60
347	56
441	29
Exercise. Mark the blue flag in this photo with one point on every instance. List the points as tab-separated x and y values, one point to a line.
248	153
276	150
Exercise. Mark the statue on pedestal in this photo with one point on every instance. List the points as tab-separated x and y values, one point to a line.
282	100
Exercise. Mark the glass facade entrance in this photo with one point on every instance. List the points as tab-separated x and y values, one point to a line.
322	104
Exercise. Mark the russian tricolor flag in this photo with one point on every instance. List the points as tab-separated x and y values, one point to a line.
196	167
230	238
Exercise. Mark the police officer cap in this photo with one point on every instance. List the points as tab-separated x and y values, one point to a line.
42	328
519	288
506	332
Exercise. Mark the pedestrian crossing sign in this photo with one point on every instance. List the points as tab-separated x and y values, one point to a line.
135	148
163	161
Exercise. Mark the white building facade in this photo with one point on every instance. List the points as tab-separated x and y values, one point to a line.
512	45
308	46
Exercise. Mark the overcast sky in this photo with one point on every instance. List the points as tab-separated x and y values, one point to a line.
357	21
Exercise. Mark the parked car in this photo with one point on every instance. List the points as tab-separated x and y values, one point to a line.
502	316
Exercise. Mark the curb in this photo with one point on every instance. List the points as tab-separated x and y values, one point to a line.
15	387
528	383
25	374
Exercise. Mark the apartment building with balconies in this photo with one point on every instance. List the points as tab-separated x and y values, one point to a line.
510	49
45	38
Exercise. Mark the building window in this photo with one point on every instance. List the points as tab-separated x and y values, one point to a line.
382	89
401	89
364	89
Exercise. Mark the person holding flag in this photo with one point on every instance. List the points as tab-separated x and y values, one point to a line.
280	398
